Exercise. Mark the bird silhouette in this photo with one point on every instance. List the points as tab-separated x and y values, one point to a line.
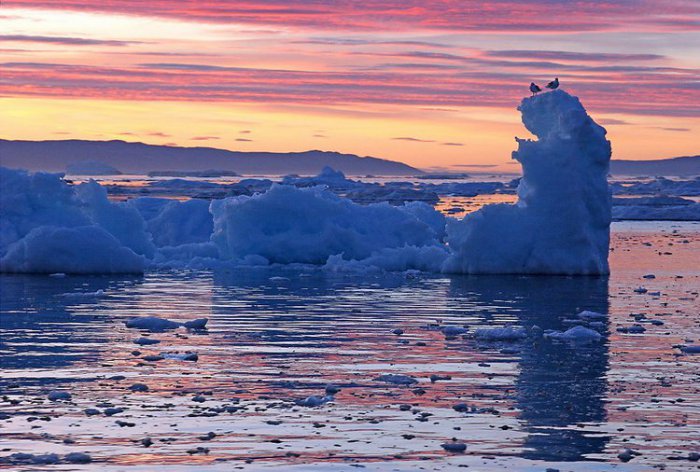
534	88
554	84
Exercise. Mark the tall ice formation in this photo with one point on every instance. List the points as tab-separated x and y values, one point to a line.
561	222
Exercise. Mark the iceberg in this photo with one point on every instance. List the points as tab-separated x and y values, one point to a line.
292	225
561	222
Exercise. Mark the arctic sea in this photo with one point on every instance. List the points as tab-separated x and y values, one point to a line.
279	339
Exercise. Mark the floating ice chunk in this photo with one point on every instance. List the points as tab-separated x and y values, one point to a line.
151	323
452	331
314	401
77	458
397	379
96	294
57	395
287	225
34	459
691	349
454	446
508	333
561	222
591	315
198	323
187	356
180	223
577	333
80	250
146	341
139	387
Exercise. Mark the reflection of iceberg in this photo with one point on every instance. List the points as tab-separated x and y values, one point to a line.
559	385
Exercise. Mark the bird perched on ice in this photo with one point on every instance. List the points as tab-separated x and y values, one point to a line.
554	84
534	88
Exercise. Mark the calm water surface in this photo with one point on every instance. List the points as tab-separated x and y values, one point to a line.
277	336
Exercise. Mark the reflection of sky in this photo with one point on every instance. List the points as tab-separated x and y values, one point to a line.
431	83
274	341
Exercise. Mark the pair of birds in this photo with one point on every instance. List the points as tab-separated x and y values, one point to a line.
534	88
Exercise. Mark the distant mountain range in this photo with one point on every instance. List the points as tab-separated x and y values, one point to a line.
676	166
140	158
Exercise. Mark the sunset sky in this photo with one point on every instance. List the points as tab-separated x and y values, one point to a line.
430	83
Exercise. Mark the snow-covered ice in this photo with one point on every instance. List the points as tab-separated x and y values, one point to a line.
561	222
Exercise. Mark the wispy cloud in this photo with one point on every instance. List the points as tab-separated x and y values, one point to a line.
415	140
64	40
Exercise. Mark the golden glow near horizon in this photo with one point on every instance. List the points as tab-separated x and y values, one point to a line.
422	92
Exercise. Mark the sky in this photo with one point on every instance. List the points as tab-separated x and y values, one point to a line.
433	84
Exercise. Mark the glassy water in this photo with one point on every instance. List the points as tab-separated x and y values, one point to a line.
275	337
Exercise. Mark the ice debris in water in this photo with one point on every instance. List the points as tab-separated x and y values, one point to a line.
508	333
155	324
96	294
151	323
398	379
314	400
454	446
452	331
577	333
57	395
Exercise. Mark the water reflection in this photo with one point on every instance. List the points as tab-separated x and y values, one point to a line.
40	326
560	385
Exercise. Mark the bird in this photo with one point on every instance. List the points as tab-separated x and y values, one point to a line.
534	88
554	84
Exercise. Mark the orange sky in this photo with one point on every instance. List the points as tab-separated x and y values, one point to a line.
433	86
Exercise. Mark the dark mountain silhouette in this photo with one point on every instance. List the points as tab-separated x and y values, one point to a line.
681	166
140	158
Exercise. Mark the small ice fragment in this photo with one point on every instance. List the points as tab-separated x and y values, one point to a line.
452	331
278	279
577	333
146	341
57	275
315	400
636	329
590	315
96	294
57	395
199	323
139	387
454	446
398	379
508	333
77	458
627	455
39	459
151	323
153	358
